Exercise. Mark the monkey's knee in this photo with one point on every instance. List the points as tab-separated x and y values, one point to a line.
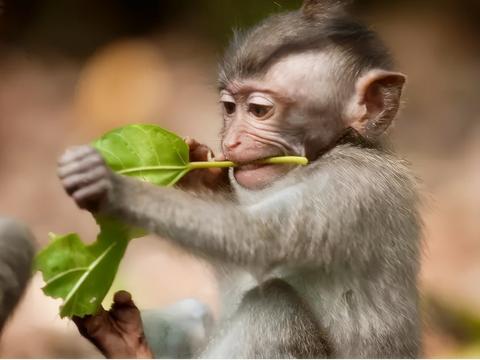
17	248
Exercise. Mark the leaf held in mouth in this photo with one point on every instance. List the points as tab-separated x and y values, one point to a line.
82	274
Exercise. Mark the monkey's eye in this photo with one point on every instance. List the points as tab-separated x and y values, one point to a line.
259	106
229	107
259	111
228	102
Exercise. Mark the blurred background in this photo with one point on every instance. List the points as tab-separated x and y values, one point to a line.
71	70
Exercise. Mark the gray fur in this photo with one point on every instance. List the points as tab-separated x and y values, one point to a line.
340	237
343	232
253	52
323	8
322	263
178	331
16	255
272	321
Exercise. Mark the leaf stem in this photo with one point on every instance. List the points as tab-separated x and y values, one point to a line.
210	164
151	168
295	160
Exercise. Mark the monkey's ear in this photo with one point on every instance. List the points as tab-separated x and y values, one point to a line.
376	102
322	8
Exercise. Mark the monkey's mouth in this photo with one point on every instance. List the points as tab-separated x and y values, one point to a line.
255	163
257	175
252	166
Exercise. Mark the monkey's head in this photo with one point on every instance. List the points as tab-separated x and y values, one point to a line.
298	82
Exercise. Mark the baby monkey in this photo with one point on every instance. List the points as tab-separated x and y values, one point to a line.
315	261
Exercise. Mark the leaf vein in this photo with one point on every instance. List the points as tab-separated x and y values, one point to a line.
147	135
64	273
103	149
80	281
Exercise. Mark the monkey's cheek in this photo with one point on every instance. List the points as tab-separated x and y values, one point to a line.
261	177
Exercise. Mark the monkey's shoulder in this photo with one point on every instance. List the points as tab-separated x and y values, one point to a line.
361	174
349	161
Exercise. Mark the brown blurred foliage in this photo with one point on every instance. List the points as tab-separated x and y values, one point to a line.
69	71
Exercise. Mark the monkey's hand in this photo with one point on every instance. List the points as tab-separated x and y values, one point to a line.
85	177
117	333
212	179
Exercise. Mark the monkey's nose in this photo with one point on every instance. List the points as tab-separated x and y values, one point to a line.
231	144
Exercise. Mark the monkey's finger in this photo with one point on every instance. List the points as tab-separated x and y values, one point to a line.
123	297
192	143
80	165
79	322
220	157
73	182
87	197
76	153
89	325
201	153
126	312
215	177
97	328
198	151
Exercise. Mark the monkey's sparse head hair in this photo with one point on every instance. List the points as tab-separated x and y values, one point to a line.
318	25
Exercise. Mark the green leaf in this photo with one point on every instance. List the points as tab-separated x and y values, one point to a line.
158	156
82	274
147	152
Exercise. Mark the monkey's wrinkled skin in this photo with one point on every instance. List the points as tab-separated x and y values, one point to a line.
316	261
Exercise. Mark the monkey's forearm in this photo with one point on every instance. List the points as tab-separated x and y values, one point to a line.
213	227
352	200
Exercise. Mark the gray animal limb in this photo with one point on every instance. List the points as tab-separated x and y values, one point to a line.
179	330
16	254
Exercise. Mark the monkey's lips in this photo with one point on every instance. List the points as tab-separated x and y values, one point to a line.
256	175
249	167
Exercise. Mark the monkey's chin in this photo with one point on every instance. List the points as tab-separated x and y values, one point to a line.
257	177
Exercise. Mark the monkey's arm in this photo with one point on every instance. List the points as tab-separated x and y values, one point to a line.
16	254
351	205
